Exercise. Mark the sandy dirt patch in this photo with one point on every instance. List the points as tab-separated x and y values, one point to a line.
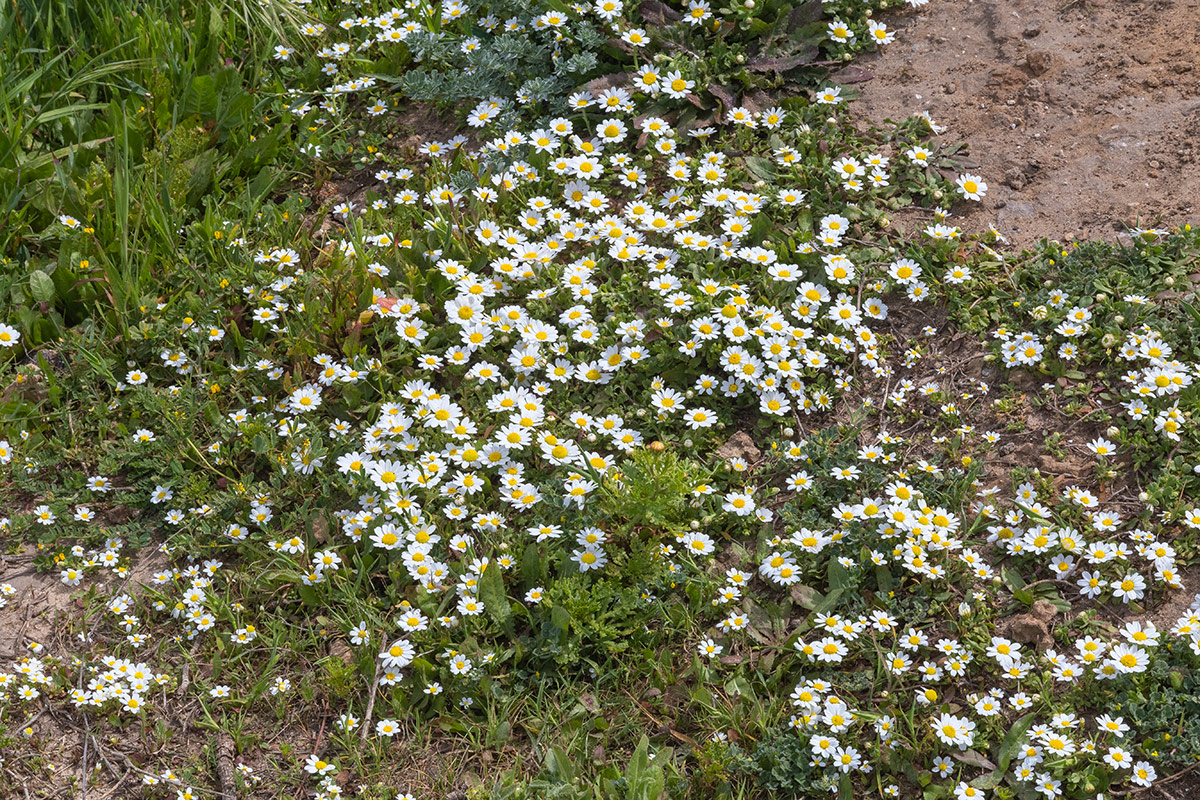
1083	115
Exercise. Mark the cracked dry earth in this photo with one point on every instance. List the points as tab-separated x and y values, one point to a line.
1083	116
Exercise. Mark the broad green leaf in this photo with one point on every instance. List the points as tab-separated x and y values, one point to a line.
559	765
839	578
491	592
531	566
1012	578
1012	740
760	168
829	602
41	286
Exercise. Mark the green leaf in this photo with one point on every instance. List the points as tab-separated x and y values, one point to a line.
531	566
216	24
804	596
308	595
883	578
491	592
828	603
212	413
804	221
1012	740
760	168
1012	578
640	776
989	781
200	97
839	578
637	763
560	621
559	765
41	286
1191	309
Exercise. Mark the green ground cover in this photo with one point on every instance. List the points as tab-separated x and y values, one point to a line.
537	400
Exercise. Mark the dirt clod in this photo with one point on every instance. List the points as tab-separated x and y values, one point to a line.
1032	627
740	445
1038	62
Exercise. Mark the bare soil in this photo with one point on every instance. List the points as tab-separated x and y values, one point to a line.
32	612
1084	116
